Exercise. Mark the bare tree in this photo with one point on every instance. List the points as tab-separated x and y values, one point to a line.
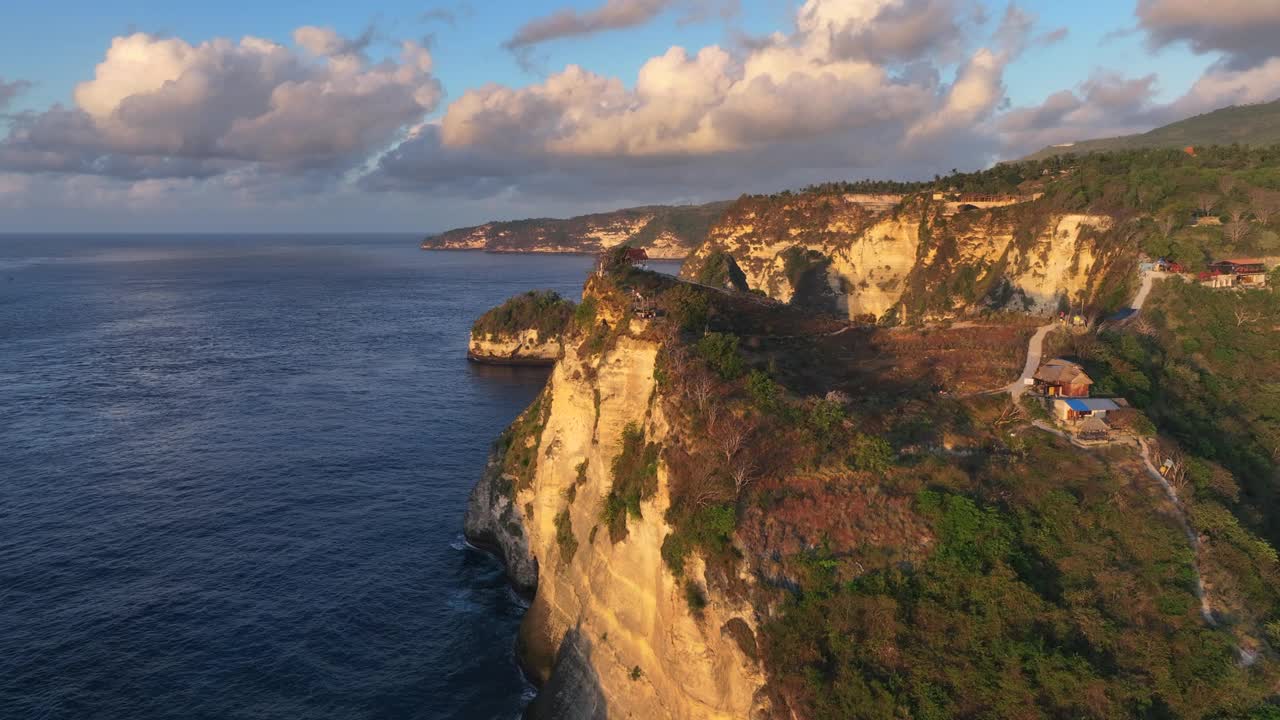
1265	204
702	388
1226	184
1206	202
1246	317
1167	224
743	470
1143	326
1238	226
734	437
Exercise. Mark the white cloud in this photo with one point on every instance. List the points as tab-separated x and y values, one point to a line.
1245	31
161	106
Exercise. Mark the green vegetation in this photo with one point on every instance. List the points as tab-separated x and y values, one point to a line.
720	270
1032	605
708	528
585	314
688	224
565	540
635	479
520	444
720	350
687	306
1255	125
1207	372
541	310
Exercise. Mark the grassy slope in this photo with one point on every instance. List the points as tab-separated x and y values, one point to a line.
1246	125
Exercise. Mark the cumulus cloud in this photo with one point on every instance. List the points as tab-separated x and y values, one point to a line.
887	30
612	15
856	84
1109	104
1106	104
1245	31
10	90
161	107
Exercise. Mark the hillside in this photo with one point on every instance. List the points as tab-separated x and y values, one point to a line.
1038	236
664	231
737	507
1254	125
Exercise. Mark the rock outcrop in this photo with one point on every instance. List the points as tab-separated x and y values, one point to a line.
527	347
609	632
916	258
665	232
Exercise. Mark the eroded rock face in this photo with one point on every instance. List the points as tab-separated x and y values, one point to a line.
495	523
609	632
918	256
666	232
524	348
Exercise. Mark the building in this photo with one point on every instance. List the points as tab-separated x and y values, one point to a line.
1078	410
620	257
1062	378
1249	272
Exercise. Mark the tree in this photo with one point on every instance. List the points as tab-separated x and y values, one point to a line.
1246	317
734	437
743	470
1206	202
1238	226
1167	224
1265	204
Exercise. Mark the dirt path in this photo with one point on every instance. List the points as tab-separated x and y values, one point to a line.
1035	350
1205	609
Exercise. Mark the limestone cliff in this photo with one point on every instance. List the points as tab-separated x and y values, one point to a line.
728	507
917	256
526	347
609	632
524	330
666	232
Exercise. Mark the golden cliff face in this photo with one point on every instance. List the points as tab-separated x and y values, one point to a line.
523	348
877	257
609	630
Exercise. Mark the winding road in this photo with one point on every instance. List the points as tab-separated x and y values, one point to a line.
1035	351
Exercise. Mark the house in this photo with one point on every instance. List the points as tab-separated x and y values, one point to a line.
619	257
1216	279
1076	410
1062	378
1248	272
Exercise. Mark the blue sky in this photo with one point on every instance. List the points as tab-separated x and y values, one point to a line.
461	128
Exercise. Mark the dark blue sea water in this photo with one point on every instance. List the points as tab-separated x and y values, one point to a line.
233	472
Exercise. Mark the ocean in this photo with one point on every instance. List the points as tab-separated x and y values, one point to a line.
233	472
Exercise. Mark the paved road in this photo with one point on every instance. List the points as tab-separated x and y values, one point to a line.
1145	289
1035	349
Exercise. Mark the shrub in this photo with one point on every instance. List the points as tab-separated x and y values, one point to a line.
709	528
635	479
585	314
687	306
567	543
540	310
721	270
763	390
720	350
871	454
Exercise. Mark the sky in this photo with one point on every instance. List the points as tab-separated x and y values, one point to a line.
404	116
